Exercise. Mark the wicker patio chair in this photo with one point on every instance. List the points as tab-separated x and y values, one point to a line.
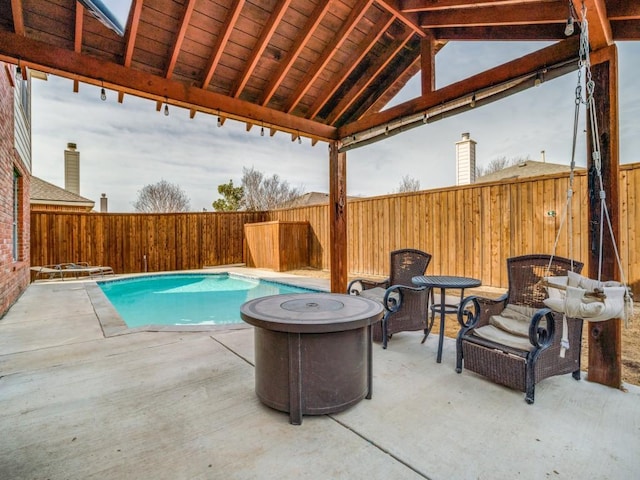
406	306
497	339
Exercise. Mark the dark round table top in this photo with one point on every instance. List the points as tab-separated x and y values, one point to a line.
311	312
445	281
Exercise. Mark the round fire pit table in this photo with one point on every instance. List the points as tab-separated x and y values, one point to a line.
312	351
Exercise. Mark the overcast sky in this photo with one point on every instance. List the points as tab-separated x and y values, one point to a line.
124	147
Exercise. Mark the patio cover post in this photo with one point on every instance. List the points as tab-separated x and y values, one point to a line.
605	338
338	218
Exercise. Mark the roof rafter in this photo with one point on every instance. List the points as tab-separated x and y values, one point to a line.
18	17
370	76
60	61
221	42
258	49
376	106
306	33
177	42
365	47
314	72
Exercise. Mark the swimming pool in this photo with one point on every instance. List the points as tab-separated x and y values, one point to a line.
187	299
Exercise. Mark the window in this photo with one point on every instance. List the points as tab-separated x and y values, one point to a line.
16	215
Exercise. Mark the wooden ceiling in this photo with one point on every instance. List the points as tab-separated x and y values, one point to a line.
317	69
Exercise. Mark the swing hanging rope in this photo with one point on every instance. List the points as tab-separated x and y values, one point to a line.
589	101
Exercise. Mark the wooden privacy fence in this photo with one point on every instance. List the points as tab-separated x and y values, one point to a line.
469	230
140	242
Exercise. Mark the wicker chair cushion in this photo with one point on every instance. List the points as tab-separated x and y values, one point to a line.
514	319
510	328
377	294
499	336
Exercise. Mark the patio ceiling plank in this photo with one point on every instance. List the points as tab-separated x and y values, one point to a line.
261	45
354	17
364	48
299	44
221	42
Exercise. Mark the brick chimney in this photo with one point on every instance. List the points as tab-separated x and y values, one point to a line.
465	160
72	169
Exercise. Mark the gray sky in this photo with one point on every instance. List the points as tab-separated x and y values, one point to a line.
124	147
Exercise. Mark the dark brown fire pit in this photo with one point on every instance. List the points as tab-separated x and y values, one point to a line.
312	351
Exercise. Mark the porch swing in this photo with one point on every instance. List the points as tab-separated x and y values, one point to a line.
573	295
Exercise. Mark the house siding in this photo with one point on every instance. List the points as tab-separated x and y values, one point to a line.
14	274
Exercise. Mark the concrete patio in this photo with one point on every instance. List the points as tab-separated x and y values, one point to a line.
77	404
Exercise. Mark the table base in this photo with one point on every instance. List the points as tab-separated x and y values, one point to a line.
312	373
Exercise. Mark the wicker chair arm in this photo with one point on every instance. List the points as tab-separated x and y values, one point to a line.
392	303
469	312
542	336
359	284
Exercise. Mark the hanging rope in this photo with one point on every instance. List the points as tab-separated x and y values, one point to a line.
582	297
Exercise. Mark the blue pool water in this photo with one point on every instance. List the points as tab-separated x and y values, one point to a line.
187	299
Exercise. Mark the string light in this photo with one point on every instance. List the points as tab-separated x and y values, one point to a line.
568	30
166	107
103	93
262	130
538	80
472	103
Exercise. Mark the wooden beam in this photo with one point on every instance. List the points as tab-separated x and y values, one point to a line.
416	6
550	32
9	72
292	55
77	37
221	42
605	338
552	55
18	17
409	19
261	45
428	65
357	13
66	63
556	12
338	218
599	27
380	103
364	48
177	42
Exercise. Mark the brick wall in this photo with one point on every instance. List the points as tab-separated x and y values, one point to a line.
14	275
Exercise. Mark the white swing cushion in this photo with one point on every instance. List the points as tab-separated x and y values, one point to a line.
574	303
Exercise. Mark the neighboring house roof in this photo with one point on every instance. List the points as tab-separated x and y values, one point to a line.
528	168
307	199
45	193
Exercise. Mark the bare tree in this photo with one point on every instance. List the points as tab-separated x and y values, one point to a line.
408	184
265	193
161	197
498	164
